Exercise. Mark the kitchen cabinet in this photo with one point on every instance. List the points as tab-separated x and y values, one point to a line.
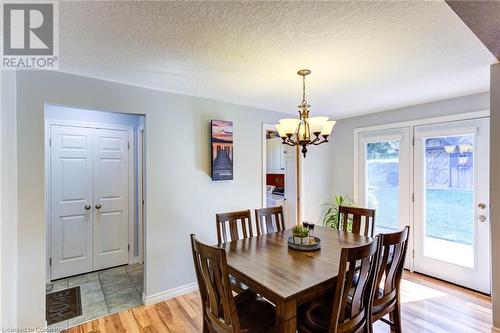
275	156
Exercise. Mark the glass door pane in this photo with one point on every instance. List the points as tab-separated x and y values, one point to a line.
382	183
449	199
384	177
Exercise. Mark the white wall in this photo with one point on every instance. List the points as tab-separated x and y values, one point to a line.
8	201
181	198
317	180
343	133
495	190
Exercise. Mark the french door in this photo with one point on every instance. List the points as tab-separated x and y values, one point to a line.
89	199
434	178
451	202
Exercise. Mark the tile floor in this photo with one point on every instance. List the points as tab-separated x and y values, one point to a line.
103	292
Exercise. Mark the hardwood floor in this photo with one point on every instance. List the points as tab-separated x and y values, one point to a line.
428	306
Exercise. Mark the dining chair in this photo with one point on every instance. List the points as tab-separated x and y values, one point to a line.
362	218
388	279
239	223
271	218
346	309
223	312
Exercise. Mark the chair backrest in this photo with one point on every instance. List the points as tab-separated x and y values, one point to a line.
231	219
363	220
269	220
219	308
354	289
391	264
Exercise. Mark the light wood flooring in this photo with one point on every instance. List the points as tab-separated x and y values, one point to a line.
428	306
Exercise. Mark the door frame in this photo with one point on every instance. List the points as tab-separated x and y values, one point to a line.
300	202
411	124
141	201
48	181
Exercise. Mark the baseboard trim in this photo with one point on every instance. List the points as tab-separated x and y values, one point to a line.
495	330
171	293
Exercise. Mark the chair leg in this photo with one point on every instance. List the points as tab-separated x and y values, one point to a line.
390	322
205	327
396	318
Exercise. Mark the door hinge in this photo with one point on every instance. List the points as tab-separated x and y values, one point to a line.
128	248
50	261
413	197
128	145
413	141
50	142
413	253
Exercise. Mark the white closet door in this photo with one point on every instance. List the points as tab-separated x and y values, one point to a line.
111	198
71	188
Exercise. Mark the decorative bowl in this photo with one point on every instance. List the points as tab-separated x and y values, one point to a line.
313	246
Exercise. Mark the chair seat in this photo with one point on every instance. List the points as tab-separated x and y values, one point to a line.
255	313
314	316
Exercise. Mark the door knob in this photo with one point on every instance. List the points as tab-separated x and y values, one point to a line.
98	206
87	207
482	205
481	218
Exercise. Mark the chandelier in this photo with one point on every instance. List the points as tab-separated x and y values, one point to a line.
306	130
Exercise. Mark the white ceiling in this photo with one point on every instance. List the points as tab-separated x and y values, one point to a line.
364	56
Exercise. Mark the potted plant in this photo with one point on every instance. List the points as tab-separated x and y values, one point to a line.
296	233
330	218
300	234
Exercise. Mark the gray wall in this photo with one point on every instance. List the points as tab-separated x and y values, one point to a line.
495	190
181	198
343	136
8	201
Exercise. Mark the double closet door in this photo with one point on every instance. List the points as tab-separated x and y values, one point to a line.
89	193
434	178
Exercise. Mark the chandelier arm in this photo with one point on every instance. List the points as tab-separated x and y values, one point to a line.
316	139
325	140
289	141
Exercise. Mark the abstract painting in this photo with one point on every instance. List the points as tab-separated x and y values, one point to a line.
222	150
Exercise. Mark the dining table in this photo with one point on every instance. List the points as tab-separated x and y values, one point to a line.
288	277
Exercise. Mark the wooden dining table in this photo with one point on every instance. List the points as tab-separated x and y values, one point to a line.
288	277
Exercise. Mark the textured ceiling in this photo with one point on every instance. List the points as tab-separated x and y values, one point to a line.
364	56
483	18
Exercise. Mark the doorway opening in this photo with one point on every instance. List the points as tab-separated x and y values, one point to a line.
433	176
95	199
280	170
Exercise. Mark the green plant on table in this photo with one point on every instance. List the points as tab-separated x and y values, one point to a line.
300	231
331	217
